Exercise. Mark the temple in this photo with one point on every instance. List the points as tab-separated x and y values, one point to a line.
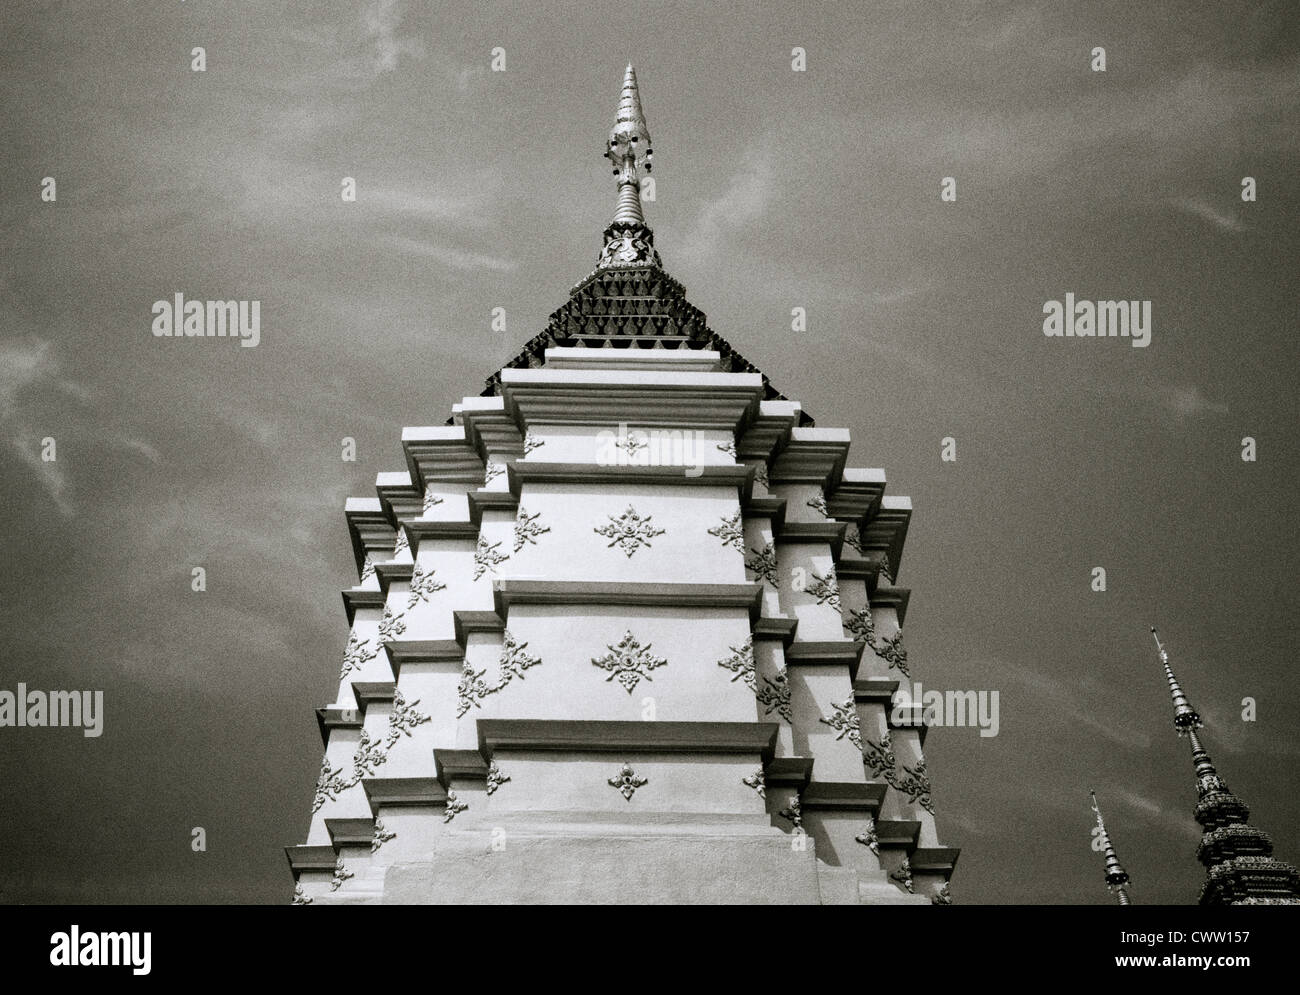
627	630
1239	864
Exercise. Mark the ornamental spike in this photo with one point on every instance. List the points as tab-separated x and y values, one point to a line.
629	151
1116	877
1185	716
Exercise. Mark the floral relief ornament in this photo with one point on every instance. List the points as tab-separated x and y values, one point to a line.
763	564
381	836
627	781
629	662
774	695
731	531
629	531
527	529
486	557
741	662
844	720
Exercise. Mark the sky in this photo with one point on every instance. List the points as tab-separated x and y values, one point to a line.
775	189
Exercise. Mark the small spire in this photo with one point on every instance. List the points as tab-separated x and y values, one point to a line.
1116	877
1185	716
629	242
629	150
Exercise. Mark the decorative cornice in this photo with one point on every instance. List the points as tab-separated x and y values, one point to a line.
402	792
854	796
651	737
823	652
612	474
511	591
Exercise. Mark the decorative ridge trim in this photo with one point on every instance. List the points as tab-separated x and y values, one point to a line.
367	692
403	791
354	832
935	859
361	597
829	532
748	595
898	832
467	621
402	651
772	627
853	795
392	570
465	764
829	651
770	507
710	475
310	858
892	597
615	737
336	717
483	500
875	689
789	771
418	529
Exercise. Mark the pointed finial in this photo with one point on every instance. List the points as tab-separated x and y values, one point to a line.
628	239
1116	877
1185	716
629	151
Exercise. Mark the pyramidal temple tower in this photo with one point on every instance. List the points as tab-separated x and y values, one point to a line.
627	630
1239	865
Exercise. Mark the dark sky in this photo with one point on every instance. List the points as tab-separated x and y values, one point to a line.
775	190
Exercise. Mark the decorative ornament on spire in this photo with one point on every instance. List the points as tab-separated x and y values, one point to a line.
1238	859
629	242
1116	877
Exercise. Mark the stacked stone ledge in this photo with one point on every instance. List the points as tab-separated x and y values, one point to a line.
487	592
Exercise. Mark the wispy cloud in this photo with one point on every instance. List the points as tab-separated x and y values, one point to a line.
746	196
457	259
1220	219
382	20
